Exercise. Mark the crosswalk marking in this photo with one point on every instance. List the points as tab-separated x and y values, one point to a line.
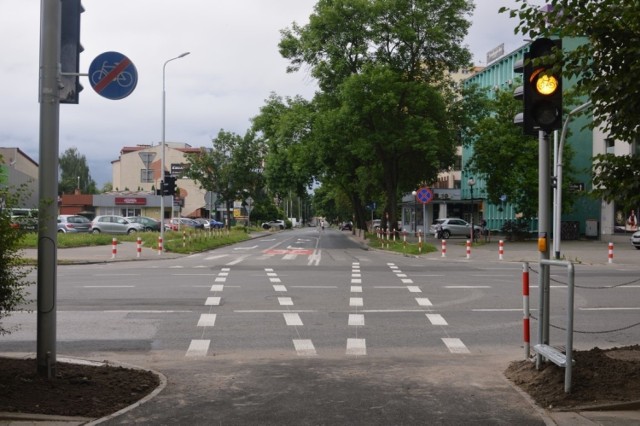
198	348
356	301
207	320
356	347
221	279
285	301
304	347
436	319
275	280
455	346
356	319
423	301
406	281
414	289
356	289
279	288
356	281
292	319
217	287
212	301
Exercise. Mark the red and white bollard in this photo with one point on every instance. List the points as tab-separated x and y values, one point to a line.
500	249
525	309
138	246
610	252
419	242
114	247
443	248
468	249
159	245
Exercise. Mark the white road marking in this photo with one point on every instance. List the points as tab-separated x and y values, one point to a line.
151	311
220	279
356	347
198	348
401	275
279	288
406	281
217	287
212	301
356	319
217	256
423	301
285	301
292	319
289	257
356	275
207	320
272	274
193	275
238	260
356	301
455	346
314	286
246	248
176	267
467	286
268	269
356	289
304	347
225	269
223	274
108	286
356	281
272	311
414	289
436	319
275	280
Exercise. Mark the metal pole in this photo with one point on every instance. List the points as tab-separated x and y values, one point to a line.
48	185
162	161
544	213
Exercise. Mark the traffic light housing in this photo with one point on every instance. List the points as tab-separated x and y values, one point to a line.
169	186
541	90
70	49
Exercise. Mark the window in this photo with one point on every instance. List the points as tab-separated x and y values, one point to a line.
610	145
146	175
130	212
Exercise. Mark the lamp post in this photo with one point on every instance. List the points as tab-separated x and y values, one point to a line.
471	182
415	213
164	104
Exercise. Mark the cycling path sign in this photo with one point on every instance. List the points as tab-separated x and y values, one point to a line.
113	75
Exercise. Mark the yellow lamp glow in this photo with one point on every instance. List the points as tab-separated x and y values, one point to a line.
546	84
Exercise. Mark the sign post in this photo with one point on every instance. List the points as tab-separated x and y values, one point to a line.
425	196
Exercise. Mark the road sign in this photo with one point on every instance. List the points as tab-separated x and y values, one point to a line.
113	75
424	195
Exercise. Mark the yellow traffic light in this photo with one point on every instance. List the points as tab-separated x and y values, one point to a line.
545	84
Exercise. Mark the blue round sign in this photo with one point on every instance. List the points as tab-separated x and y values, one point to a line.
113	75
424	195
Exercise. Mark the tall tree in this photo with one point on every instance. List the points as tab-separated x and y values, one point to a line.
381	66
74	173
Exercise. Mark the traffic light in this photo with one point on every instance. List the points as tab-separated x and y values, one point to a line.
169	186
541	90
70	49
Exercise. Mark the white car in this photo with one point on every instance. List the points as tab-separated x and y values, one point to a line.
635	239
279	224
454	226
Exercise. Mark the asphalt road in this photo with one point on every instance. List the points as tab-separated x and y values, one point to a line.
307	327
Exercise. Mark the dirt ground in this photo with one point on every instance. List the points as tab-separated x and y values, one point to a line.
599	377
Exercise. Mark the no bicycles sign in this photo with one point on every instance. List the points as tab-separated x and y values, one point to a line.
113	75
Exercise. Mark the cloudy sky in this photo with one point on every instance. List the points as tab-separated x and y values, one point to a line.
233	66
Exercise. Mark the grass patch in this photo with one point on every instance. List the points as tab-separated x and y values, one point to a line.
399	246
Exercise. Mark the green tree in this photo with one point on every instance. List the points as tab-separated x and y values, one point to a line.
617	179
13	275
74	173
232	168
506	159
381	66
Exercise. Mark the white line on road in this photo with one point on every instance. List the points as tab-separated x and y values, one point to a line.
304	347
455	346
436	319
314	286
217	256
356	301
356	289
279	288
193	275
221	279
212	301
207	320
356	281
272	311
217	287
423	301
414	289
285	301
356	319
406	281
292	319
147	312
246	248
108	286
238	260
198	348
356	347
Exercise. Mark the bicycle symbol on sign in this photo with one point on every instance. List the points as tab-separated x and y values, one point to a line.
124	79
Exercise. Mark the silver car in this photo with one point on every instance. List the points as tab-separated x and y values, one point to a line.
635	239
73	223
453	226
111	224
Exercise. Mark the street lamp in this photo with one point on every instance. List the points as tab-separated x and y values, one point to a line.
415	213
164	109
471	182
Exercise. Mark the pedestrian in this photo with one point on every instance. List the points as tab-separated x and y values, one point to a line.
632	222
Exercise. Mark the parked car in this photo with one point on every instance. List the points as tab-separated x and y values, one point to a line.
635	239
204	222
26	219
73	223
112	224
180	223
346	226
214	224
453	226
278	223
149	223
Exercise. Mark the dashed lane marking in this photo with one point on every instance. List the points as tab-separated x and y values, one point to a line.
217	287
414	289
280	288
356	320
212	301
356	301
285	301
423	301
455	346
356	347
198	348
304	347
292	319
356	289
436	319
207	320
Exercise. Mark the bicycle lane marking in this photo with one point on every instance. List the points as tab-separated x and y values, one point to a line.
112	75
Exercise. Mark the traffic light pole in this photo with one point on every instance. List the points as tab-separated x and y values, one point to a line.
48	186
544	216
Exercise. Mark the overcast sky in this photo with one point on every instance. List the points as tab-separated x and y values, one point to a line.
233	67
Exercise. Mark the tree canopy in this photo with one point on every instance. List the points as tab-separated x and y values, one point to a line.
380	118
74	173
